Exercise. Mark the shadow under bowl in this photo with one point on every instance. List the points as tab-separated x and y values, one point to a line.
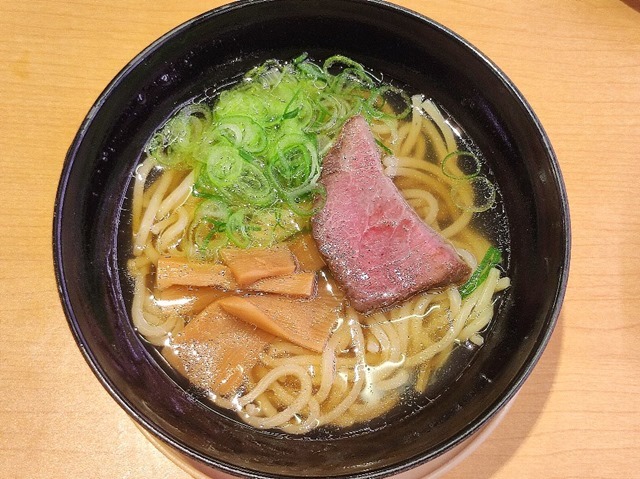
91	217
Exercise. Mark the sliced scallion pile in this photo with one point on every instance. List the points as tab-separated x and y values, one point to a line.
257	150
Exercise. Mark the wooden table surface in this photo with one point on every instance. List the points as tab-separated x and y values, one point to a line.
578	64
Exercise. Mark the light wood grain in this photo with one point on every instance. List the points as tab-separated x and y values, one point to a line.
578	64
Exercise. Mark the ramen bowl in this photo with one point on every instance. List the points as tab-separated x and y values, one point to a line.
92	218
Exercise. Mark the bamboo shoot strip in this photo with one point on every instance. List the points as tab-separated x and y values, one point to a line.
305	250
179	271
307	323
251	265
300	285
215	350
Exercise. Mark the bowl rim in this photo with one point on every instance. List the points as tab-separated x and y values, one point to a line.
71	157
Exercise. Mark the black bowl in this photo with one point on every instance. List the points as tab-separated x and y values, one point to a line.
91	212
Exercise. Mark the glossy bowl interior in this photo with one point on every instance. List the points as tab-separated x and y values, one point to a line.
91	216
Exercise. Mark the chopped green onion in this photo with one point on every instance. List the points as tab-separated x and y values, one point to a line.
243	132
456	171
384	147
341	60
224	166
209	220
291	114
379	97
491	258
300	58
482	197
211	210
238	228
253	187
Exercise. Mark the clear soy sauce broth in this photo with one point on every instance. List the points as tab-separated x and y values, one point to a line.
488	227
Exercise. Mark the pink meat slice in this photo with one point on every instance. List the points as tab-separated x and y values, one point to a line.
375	245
